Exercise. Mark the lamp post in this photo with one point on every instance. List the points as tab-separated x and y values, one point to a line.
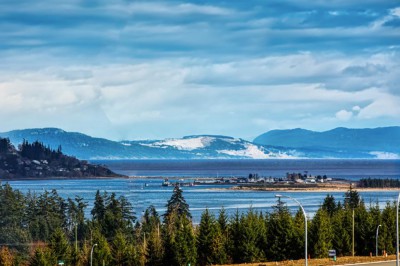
352	250
397	230
377	233
91	255
305	224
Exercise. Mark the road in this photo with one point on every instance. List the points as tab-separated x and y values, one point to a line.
384	263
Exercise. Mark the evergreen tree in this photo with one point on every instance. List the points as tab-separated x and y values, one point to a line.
364	231
298	236
222	238
177	205
99	209
59	246
252	232
185	243
352	198
102	252
321	234
341	240
119	250
235	237
281	234
179	238
206	246
329	205
151	228
388	227
42	257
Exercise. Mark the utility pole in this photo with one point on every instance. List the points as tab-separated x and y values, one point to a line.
353	234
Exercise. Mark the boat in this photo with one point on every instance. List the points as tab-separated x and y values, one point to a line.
166	183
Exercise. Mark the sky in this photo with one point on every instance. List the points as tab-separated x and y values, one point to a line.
128	70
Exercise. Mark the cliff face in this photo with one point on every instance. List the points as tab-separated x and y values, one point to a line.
37	161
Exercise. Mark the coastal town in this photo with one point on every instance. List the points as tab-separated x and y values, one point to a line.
255	179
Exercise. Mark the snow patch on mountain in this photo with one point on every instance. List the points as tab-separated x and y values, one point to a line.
254	152
385	155
126	144
187	144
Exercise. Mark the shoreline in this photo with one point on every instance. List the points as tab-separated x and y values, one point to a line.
316	189
343	186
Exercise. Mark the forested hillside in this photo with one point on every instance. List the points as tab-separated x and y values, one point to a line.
35	160
39	229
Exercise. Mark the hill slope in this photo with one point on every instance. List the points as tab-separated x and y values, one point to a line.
378	142
34	160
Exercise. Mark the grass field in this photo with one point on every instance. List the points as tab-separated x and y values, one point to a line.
321	262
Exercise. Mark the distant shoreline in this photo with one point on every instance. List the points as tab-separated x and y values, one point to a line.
312	189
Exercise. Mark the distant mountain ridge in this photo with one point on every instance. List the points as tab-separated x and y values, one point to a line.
278	144
189	147
380	142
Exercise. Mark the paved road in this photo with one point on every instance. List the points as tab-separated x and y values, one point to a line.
385	263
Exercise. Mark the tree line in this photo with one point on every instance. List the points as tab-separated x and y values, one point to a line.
379	183
44	229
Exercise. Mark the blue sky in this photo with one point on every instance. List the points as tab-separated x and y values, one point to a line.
160	69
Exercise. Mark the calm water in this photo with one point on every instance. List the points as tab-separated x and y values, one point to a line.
348	169
214	197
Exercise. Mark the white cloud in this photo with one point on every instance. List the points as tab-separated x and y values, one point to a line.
164	8
163	98
344	115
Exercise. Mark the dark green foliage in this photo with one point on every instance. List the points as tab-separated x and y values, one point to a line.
341	229
42	257
179	238
36	160
281	236
321	234
207	245
352	198
151	229
252	239
60	246
38	151
299	232
177	205
388	228
329	205
47	213
5	145
379	183
112	214
364	231
120	250
57	229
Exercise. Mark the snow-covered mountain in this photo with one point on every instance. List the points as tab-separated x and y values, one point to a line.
269	145
211	146
190	147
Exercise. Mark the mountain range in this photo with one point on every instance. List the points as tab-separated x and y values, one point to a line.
278	144
383	142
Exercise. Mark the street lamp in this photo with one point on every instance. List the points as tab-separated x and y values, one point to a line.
352	250
397	230
305	224
91	255
377	233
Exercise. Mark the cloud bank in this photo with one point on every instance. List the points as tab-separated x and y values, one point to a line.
149	69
